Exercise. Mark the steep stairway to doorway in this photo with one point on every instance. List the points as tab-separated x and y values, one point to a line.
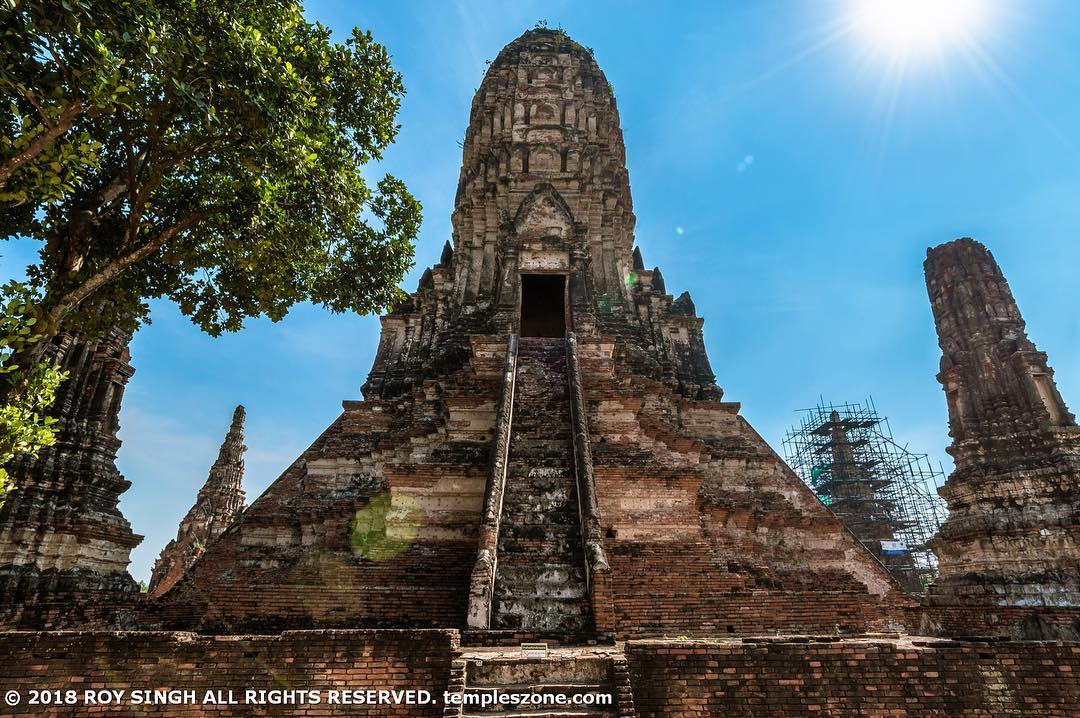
540	584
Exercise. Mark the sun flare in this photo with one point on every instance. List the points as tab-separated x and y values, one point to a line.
909	28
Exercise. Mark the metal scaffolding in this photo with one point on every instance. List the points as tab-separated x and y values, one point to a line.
885	494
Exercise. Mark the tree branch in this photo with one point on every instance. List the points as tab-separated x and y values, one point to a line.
71	300
41	142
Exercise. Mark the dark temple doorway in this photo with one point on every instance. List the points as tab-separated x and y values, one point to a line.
543	307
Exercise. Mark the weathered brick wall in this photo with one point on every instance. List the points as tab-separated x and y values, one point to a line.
901	677
375	526
294	660
707	531
1038	623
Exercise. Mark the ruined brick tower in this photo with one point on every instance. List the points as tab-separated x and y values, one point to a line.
542	449
64	545
853	489
1012	538
219	502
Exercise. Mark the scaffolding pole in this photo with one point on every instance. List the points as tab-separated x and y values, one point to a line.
885	494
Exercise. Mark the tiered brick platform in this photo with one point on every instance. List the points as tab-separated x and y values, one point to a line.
781	676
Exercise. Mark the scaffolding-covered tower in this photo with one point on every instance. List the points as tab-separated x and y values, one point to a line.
886	494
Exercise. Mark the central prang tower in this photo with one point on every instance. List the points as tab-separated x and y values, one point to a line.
543	230
542	450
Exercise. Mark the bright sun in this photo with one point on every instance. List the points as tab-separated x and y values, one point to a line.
909	28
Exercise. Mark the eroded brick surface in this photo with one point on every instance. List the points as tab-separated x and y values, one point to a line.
64	545
1010	548
219	502
293	661
811	676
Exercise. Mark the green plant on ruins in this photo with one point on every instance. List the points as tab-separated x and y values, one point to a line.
24	426
207	153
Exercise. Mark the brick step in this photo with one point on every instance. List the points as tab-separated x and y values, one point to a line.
512	593
541	406
543	426
546	458
543	500
542	460
522	581
552	477
560	490
541	528
537	414
566	688
537	710
526	447
547	435
542	468
538	671
540	412
568	672
533	553
569	602
518	479
547	614
546	712
533	521
514	638
560	527
525	538
550	579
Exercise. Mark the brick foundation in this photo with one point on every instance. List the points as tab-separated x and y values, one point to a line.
296	660
882	677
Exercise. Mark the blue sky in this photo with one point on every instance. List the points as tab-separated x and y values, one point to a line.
785	172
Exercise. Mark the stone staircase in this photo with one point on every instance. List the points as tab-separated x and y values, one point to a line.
486	678
540	585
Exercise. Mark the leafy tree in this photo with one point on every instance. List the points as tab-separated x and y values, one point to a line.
210	153
24	427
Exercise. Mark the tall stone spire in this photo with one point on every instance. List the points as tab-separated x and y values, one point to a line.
219	502
1012	535
543	189
64	545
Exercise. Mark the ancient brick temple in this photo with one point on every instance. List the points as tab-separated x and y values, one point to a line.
64	545
219	502
1011	542
542	455
541	449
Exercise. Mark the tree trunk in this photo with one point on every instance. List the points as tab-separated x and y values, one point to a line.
60	308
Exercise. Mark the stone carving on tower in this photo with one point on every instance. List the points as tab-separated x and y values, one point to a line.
1012	538
542	449
219	502
64	545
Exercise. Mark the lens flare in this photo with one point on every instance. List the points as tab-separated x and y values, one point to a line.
386	527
